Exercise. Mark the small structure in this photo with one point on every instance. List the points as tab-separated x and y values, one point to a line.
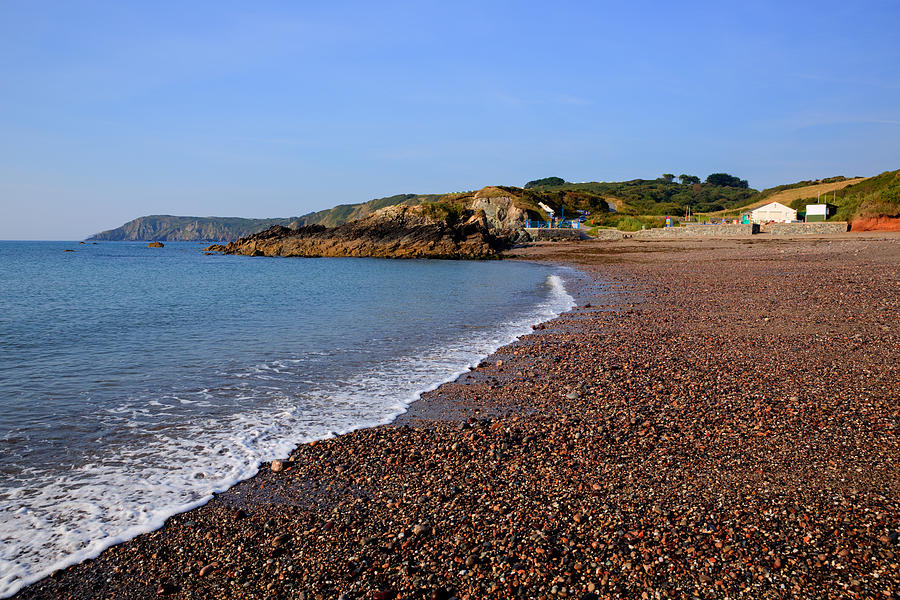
773	212
816	212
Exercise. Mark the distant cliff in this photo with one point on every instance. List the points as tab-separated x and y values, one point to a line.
189	229
226	229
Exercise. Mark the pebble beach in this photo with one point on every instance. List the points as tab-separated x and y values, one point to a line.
716	419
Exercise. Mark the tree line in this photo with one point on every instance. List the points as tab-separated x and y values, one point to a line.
716	179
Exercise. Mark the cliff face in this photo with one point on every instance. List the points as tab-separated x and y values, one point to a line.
188	229
500	210
394	232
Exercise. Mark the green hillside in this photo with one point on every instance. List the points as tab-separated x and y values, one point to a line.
663	196
877	196
768	192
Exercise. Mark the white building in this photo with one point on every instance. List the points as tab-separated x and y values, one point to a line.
816	212
773	211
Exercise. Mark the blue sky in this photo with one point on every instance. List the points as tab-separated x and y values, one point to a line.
113	110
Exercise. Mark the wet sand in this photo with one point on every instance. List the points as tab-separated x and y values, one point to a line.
717	419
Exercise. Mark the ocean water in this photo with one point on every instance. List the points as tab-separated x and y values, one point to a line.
135	382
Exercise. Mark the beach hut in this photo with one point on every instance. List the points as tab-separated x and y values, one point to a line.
816	212
773	211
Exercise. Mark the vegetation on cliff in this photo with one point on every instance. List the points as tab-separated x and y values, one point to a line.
344	213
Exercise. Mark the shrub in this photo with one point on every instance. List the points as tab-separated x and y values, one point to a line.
629	224
443	210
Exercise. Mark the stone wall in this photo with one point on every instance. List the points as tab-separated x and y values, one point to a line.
609	234
819	228
554	235
696	230
706	231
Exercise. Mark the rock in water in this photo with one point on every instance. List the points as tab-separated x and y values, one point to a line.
155	245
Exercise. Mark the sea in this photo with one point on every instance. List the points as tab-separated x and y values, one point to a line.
135	382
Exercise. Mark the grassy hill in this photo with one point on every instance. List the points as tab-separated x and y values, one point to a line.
873	197
787	194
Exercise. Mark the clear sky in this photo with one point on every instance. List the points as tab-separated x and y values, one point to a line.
113	110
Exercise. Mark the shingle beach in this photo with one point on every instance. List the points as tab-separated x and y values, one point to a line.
716	419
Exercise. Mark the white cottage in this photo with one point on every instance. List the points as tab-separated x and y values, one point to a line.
773	211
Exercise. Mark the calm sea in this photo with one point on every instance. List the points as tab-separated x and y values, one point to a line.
135	382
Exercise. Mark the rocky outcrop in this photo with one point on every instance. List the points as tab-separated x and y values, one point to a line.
394	232
500	210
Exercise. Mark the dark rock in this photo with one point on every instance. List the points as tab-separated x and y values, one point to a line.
165	588
394	232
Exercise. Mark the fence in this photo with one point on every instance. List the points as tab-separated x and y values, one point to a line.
552	225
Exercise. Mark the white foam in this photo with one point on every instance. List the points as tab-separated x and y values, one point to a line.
63	519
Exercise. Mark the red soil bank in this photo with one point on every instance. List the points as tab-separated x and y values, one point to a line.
876	224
